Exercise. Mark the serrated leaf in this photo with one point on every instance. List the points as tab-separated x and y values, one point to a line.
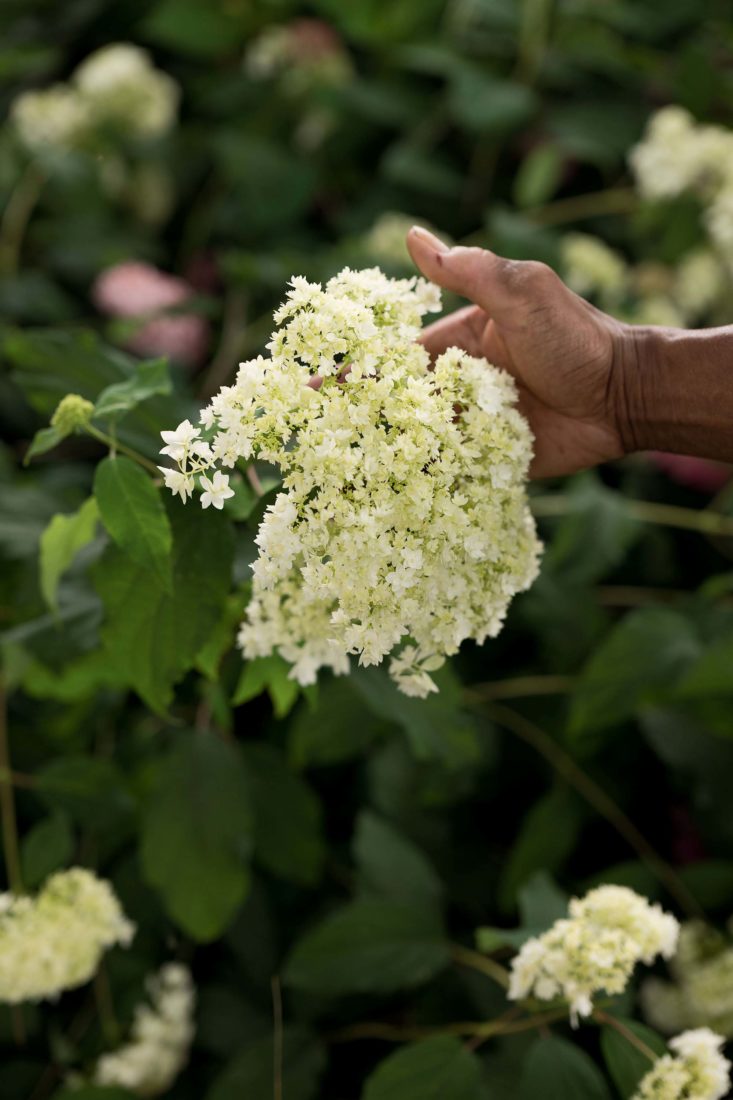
439	1068
288	832
625	1063
150	379
131	509
60	542
392	866
153	637
197	834
637	662
558	1070
251	1073
267	674
369	947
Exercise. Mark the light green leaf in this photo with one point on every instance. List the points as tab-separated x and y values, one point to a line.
640	660
288	832
369	947
149	379
267	674
439	1068
44	440
539	176
132	511
250	1075
153	637
558	1070
624	1062
60	542
392	866
197	834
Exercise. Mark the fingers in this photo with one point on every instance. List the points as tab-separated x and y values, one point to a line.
495	284
462	329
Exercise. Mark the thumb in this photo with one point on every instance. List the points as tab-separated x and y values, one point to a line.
494	283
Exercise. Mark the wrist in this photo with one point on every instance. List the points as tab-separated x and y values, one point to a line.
636	378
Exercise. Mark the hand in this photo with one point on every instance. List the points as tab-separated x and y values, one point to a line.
566	356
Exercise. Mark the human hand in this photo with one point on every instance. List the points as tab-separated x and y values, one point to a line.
567	357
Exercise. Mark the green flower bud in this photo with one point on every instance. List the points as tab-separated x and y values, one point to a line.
72	413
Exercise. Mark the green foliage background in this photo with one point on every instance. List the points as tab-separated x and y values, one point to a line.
347	841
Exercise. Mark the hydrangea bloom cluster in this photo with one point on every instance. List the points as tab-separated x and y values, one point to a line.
696	1070
678	155
595	948
161	1035
591	267
116	87
404	515
55	941
702	991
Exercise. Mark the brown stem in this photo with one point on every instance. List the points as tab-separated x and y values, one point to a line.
11	850
464	956
520	686
16	216
595	795
611	1021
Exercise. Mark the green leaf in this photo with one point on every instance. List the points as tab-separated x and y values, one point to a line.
250	1075
539	176
94	1092
60	542
194	27
197	834
336	729
439	1068
638	661
91	790
487	104
711	674
153	637
288	831
132	511
48	846
369	947
541	903
595	508
392	866
624	1062
267	674
149	380
557	1070
44	440
546	839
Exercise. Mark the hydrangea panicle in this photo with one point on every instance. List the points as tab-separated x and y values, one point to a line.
696	1070
595	948
401	519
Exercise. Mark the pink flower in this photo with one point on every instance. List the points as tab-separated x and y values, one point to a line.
134	290
696	473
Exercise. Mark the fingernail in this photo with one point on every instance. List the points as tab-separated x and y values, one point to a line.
429	238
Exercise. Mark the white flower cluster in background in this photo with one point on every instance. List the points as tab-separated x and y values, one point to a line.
593	950
679	155
116	88
55	941
404	515
592	268
386	240
702	991
696	1070
160	1037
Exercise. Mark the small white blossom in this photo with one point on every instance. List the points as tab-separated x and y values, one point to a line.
696	1070
55	941
51	120
124	89
590	267
594	949
216	490
399	521
702	991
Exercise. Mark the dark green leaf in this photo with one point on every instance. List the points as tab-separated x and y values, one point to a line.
197	834
47	847
369	947
91	790
625	1063
251	1074
132	511
547	837
335	729
711	674
558	1070
392	866
431	1069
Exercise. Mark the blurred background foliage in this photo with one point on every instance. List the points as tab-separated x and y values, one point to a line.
347	839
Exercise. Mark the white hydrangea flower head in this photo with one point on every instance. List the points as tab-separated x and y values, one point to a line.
590	267
702	991
55	941
160	1037
400	519
696	1070
699	283
672	157
123	88
52	120
386	240
594	949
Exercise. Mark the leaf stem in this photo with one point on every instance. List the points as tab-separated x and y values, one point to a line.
11	850
481	1029
614	200
115	445
464	956
518	686
611	1021
16	216
595	795
706	522
105	1006
277	1039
